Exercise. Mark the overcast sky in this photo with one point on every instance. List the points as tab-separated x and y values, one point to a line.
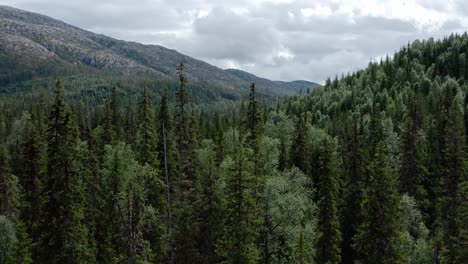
276	39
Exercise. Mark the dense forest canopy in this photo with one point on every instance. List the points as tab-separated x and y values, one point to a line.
369	168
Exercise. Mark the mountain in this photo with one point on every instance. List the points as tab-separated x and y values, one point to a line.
34	49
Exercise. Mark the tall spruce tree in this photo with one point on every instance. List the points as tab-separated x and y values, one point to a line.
166	154
299	151
378	236
185	141
97	216
114	106
9	187
238	242
454	175
185	237
147	143
328	244
254	122
352	193
208	205
413	170
146	132
33	172
64	236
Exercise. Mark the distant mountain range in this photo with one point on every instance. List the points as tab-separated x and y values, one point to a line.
35	47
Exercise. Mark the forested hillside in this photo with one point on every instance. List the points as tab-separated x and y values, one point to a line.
35	50
369	168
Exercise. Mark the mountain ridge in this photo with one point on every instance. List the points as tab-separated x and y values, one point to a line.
34	45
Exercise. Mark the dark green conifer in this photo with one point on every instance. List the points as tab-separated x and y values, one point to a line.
379	234
64	237
328	245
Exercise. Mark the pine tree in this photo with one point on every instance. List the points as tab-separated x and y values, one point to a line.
328	245
64	236
378	236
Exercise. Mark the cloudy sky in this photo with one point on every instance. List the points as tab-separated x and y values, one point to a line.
276	39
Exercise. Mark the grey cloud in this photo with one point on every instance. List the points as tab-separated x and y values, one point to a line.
223	34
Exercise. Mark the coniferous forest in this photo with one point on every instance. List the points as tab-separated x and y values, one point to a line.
369	168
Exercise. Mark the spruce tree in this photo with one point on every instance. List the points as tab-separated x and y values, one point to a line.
146	133
413	170
185	237
299	151
462	253
184	130
9	187
64	236
208	205
166	155
108	133
254	121
97	216
378	236
147	143
129	125
238	242
33	172
114	106
352	193
454	175
328	245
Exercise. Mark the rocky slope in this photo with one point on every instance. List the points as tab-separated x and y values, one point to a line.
36	46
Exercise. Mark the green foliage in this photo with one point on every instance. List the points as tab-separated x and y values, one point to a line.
416	246
379	235
209	204
329	241
64	236
146	132
369	168
8	239
241	228
132	212
291	226
9	187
